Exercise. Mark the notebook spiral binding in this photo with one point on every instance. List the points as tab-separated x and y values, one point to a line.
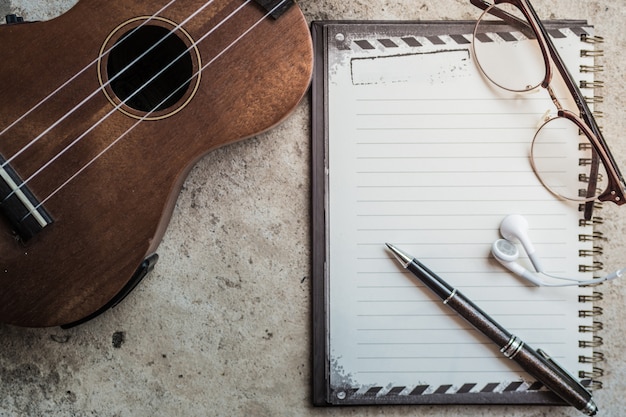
592	379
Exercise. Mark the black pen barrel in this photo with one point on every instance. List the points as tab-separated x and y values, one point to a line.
461	304
430	279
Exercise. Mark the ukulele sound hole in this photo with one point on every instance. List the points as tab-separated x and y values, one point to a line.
150	69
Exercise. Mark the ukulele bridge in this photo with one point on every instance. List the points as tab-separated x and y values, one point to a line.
25	213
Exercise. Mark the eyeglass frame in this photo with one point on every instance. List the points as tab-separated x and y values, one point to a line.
616	188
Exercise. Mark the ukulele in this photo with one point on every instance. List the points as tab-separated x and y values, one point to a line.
103	112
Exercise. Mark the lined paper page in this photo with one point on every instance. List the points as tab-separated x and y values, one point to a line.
424	154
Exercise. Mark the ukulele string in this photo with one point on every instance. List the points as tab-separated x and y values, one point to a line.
139	121
78	74
97	91
117	107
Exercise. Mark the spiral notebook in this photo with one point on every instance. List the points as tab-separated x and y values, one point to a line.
412	146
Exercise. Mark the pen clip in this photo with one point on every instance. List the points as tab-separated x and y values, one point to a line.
564	373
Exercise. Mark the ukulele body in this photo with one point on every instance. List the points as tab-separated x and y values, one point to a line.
106	153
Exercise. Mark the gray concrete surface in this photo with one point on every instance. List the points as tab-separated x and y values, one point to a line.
221	327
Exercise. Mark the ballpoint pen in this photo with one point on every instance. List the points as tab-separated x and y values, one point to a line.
537	363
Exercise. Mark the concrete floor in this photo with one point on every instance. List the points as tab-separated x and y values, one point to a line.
221	326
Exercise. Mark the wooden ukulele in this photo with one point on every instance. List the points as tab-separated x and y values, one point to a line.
103	112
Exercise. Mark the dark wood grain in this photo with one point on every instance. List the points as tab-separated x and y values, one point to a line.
113	215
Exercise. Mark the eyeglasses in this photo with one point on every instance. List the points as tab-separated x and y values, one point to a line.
514	51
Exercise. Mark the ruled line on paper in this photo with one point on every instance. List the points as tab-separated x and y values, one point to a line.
456	99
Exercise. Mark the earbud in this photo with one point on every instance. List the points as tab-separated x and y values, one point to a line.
507	254
515	227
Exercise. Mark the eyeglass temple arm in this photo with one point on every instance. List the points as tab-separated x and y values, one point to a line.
481	4
585	112
507	17
586	115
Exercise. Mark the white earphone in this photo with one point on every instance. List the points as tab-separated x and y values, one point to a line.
515	228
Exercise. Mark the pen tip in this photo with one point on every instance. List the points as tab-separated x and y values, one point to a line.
402	257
